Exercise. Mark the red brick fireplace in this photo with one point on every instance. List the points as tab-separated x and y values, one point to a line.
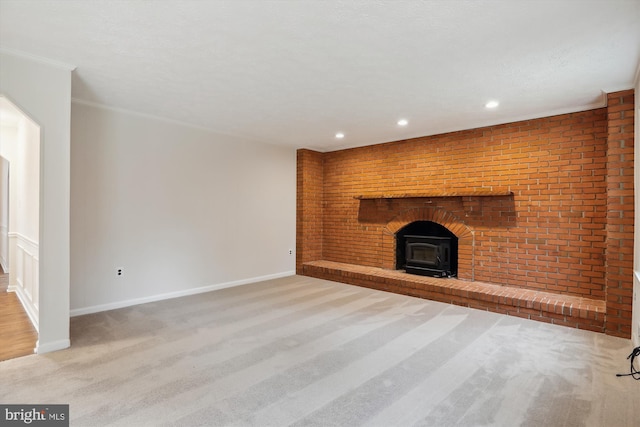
542	209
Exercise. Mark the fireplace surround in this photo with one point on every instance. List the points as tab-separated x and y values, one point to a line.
542	209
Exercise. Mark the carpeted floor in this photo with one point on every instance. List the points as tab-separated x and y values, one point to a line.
307	352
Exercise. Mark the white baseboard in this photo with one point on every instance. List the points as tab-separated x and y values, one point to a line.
26	304
127	303
52	346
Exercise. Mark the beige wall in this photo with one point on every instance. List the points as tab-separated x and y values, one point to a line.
180	210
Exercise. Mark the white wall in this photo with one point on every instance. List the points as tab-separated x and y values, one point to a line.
179	209
4	208
28	182
43	91
20	146
9	137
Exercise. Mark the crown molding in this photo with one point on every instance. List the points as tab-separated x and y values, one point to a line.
139	114
619	88
478	124
167	120
40	59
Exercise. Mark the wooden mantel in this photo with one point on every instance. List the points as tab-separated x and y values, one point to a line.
443	193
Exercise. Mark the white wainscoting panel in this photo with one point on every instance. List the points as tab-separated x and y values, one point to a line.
25	274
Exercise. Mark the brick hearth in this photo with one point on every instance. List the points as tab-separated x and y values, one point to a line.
566	310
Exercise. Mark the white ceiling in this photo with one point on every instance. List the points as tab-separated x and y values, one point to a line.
296	72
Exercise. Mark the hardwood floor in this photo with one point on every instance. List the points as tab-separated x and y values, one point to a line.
17	334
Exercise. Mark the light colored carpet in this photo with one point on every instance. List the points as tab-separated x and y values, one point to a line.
308	352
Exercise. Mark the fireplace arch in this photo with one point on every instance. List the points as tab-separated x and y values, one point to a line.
452	223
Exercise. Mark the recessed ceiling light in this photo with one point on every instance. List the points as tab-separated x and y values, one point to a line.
339	135
403	122
492	104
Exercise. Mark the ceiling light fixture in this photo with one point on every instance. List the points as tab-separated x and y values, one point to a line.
403	122
491	104
339	135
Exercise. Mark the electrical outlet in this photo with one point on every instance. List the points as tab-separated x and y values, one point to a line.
290	251
119	271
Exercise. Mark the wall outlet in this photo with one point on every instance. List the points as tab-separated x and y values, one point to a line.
290	251
119	271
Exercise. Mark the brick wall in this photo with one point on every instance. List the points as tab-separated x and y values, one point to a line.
567	227
620	214
309	218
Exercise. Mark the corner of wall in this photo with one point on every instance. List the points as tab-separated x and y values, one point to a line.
42	90
309	206
635	315
620	213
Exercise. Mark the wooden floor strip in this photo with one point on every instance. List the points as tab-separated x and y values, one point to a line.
17	335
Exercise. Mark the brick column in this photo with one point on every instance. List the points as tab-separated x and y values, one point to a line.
309	200
620	213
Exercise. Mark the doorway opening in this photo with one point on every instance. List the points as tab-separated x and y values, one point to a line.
20	138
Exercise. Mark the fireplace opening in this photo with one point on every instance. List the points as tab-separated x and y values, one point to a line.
428	249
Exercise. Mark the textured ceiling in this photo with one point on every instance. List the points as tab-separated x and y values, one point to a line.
296	72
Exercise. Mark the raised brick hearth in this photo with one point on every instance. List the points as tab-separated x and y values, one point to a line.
583	313
542	209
